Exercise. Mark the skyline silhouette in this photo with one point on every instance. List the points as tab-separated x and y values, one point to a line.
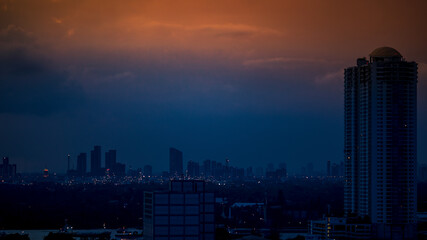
256	84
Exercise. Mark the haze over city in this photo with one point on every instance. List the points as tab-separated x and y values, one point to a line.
256	82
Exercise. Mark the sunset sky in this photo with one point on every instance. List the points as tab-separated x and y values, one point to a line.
252	81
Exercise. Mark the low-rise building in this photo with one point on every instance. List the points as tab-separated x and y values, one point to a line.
186	211
340	228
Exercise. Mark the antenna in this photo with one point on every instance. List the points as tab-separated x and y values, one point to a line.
68	167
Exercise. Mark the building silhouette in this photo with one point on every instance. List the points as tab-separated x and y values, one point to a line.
193	169
380	143
422	175
249	172
186	211
81	164
148	170
112	167
110	159
207	169
175	162
95	161
7	170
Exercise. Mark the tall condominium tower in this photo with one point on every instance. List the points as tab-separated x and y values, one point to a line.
380	143
175	162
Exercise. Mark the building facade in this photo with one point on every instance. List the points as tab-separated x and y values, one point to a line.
380	143
185	212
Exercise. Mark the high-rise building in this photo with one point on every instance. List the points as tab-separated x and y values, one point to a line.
310	169
259	171
336	170
175	162
422	175
193	169
270	167
380	142
95	161
207	170
119	169
148	170
218	169
68	163
81	164
186	211
110	159
249	172
7	170
112	167
282	171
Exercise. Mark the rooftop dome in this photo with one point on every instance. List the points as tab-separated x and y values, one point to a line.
385	52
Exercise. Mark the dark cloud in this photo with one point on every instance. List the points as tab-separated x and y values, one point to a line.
16	35
29	85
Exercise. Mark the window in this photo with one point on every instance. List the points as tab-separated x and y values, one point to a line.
209	228
191	220
192	199
177	210
161	210
190	230
177	220
162	198
177	231
209	217
192	210
161	230
177	199
209	208
161	220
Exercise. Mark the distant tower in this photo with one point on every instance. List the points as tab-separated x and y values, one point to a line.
95	161
380	142
175	162
207	170
310	168
46	173
81	164
328	168
148	171
193	169
227	168
68	165
110	160
7	170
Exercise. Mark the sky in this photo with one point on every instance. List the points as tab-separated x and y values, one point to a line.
256	82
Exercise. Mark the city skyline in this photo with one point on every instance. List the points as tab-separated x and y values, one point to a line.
256	84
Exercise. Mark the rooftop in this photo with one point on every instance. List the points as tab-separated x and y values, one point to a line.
385	52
